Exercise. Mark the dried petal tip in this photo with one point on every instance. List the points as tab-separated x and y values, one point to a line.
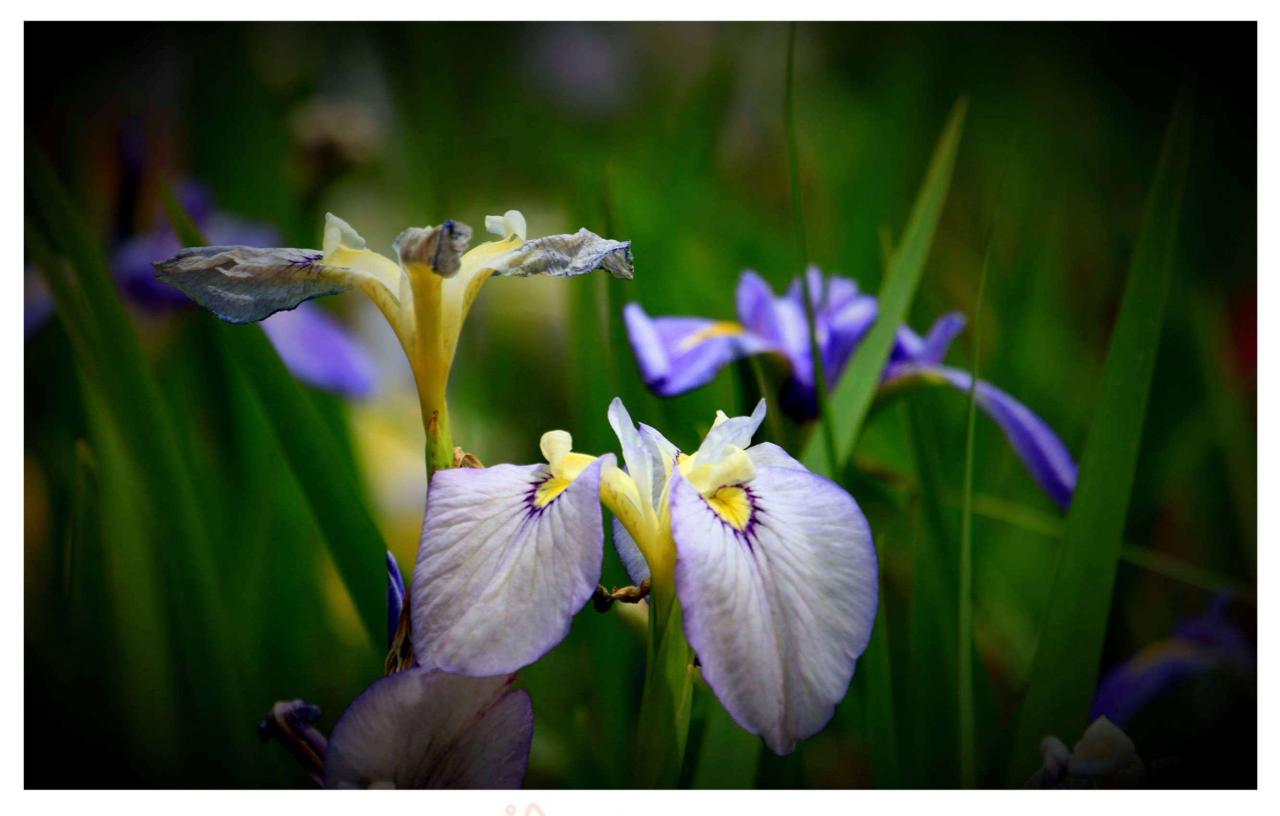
245	284
438	248
568	255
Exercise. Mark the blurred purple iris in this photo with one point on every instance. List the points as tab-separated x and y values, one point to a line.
678	354
1197	648
315	347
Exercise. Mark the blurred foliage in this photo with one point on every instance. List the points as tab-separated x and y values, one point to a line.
179	574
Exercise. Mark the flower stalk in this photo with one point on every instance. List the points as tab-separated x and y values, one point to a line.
666	703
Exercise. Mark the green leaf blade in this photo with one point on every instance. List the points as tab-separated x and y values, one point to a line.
1065	668
355	543
857	387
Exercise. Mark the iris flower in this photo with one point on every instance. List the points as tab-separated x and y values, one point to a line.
773	566
415	728
678	354
424	294
1197	650
315	346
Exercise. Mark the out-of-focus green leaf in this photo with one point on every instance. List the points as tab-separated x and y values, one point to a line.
880	714
857	386
1069	651
968	725
355	542
928	710
111	360
729	755
1050	526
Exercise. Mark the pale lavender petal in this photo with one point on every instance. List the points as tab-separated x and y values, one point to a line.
778	612
734	432
498	578
427	729
767	454
395	597
1039	448
644	459
629	552
678	354
320	352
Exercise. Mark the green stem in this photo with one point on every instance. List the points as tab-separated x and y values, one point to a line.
964	662
665	706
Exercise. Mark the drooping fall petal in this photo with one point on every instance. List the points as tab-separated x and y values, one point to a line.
778	581
508	555
426	729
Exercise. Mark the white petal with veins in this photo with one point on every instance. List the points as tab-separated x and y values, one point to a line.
509	554
778	611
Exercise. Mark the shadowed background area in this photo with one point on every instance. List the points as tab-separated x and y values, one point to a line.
152	652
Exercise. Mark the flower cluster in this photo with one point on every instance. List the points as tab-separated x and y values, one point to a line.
678	354
773	566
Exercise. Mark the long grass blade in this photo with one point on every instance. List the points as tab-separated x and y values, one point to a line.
968	725
1069	651
110	356
1050	526
857	387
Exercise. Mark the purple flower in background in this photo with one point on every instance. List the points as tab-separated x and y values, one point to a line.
315	346
1198	647
678	354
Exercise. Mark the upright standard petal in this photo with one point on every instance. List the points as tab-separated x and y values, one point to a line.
678	354
427	729
730	432
777	580
638	496
509	554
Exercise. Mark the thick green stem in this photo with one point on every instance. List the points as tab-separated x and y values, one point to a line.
667	700
435	420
